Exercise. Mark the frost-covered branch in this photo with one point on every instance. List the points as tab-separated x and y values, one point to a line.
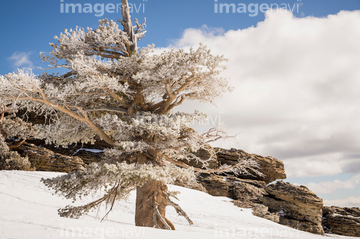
121	178
113	91
11	160
133	34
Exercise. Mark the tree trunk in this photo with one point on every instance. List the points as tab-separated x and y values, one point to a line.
151	202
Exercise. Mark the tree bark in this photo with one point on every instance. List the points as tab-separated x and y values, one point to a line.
151	202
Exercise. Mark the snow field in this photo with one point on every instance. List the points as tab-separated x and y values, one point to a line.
28	210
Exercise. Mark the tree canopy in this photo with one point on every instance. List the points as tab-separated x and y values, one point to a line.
111	90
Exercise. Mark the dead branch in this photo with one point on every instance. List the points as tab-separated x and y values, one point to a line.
64	76
109	109
113	192
2	114
157	215
180	211
19	144
1	119
117	97
128	27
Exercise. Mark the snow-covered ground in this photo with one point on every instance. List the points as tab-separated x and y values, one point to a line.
28	210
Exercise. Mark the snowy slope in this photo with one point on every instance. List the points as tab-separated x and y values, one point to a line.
29	210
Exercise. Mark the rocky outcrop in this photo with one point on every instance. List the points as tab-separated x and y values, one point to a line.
297	206
263	211
294	206
272	168
244	191
342	221
43	159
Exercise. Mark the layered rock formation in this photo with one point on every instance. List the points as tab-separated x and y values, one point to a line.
297	206
281	202
343	221
43	159
272	168
246	192
263	211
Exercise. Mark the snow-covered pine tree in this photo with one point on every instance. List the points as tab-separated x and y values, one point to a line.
111	90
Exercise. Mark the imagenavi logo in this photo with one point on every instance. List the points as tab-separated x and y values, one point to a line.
253	9
99	9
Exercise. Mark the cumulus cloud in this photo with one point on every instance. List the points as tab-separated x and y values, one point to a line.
296	89
21	60
331	186
348	202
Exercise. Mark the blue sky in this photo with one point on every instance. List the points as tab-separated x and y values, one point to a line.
28	26
318	149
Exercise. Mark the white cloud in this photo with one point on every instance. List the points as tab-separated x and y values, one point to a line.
348	202
21	60
296	88
314	165
331	186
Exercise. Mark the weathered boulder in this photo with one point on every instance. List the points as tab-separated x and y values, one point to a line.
43	159
242	190
263	211
297	206
342	221
272	168
245	190
215	185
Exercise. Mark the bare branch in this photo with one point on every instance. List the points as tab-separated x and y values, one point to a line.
64	76
179	101
128	27
157	215
109	109
113	55
2	114
19	144
1	119
117	97
180	211
113	193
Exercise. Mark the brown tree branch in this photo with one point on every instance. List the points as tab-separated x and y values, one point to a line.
2	114
117	97
1	119
157	215
114	55
180	211
128	27
19	144
70	73
109	109
83	119
178	102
